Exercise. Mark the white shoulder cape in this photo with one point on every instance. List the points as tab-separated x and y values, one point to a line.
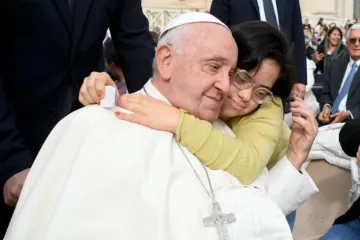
100	178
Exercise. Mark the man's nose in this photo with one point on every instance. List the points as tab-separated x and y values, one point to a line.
245	94
223	83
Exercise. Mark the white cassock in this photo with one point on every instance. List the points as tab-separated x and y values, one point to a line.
97	178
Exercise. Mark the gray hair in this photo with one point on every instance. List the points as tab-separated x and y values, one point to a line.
172	38
356	26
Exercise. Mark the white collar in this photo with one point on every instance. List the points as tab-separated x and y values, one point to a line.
351	62
148	89
151	90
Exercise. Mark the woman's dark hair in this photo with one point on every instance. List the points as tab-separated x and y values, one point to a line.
258	40
155	38
334	29
110	54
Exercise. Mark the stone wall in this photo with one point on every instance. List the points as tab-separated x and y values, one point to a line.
159	12
338	11
178	4
159	17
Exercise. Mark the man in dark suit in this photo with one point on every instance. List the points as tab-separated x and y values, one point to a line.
285	14
347	226
50	47
340	99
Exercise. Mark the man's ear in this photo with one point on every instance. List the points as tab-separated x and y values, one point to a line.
164	60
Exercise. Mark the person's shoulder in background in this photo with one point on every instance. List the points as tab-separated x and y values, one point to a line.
349	137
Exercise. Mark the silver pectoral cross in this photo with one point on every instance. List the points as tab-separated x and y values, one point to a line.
220	221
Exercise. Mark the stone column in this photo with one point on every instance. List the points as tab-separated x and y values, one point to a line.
356	8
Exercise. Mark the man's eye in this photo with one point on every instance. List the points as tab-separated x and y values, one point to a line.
213	67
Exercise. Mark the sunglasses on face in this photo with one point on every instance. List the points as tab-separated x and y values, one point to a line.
354	41
242	80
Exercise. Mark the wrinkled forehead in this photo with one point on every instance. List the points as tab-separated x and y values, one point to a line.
209	39
355	33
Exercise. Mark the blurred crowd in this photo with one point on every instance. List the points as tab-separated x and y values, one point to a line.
326	42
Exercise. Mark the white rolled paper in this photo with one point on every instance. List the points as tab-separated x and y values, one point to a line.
109	98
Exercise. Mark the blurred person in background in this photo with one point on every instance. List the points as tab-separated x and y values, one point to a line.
343	30
330	49
332	25
308	33
307	27
319	25
347	24
322	33
155	38
340	98
314	40
310	52
312	30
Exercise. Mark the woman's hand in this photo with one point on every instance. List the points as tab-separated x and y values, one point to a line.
149	112
358	156
305	129
319	57
324	116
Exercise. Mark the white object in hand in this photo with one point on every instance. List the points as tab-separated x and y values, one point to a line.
109	98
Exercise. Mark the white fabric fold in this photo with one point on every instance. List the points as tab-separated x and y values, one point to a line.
97	177
289	195
327	146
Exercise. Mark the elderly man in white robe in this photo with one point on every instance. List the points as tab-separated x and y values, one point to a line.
100	178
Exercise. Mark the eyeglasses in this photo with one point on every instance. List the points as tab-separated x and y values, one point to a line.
242	80
353	41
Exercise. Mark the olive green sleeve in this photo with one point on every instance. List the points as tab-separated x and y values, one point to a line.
244	156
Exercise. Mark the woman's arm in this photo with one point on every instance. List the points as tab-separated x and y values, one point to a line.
243	157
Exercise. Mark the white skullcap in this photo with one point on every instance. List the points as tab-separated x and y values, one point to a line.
191	17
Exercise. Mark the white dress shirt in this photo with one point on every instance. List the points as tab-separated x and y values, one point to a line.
262	11
342	106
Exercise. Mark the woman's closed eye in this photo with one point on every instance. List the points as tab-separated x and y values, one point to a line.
261	92
242	80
